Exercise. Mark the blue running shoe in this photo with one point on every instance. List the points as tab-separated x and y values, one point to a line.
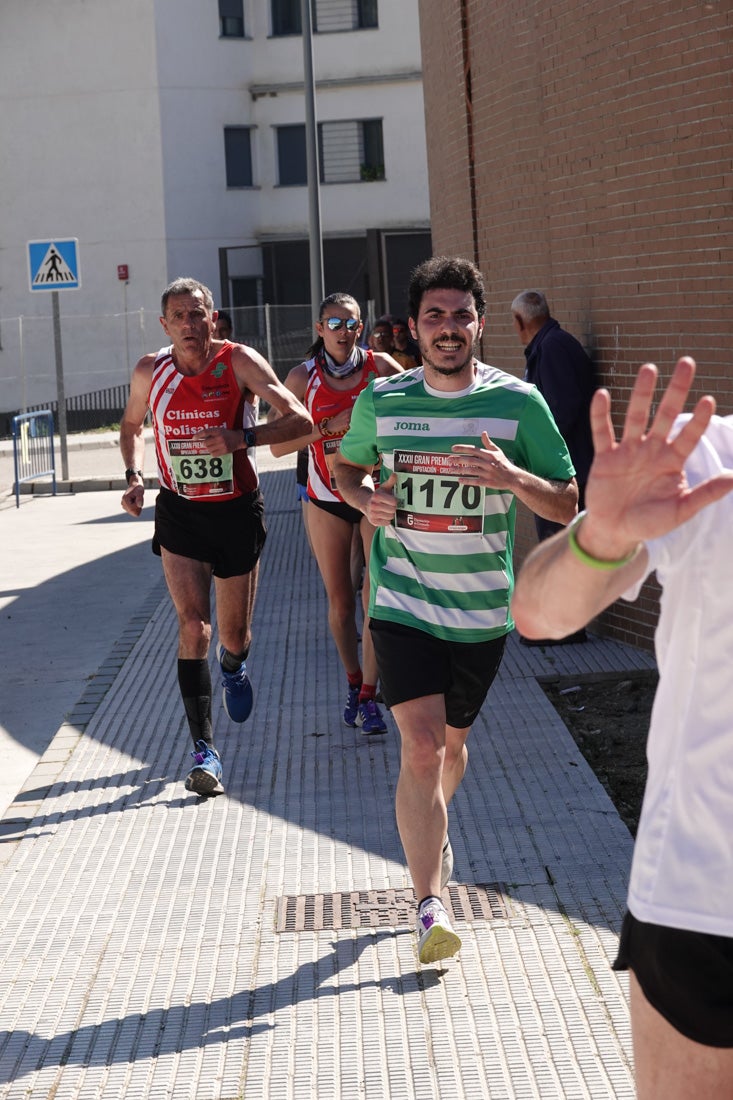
369	717
205	775
352	706
237	694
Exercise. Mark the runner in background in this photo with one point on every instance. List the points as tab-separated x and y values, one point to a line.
328	382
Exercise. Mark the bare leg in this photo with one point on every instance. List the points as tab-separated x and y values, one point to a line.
368	657
305	512
422	816
189	584
331	538
235	599
456	759
358	557
668	1065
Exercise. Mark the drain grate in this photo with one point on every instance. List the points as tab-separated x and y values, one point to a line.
387	908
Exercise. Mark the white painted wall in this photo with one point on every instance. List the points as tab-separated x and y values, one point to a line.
111	130
80	134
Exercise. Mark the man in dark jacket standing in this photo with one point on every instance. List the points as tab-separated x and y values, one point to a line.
560	368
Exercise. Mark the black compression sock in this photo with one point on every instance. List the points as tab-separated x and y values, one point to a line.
231	662
194	681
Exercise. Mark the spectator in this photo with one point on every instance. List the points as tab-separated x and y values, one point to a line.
224	328
558	365
380	338
406	350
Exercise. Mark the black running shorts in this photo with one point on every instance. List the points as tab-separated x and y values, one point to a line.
228	534
686	976
413	663
339	508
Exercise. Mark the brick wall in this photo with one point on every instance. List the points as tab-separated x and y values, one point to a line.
586	150
447	126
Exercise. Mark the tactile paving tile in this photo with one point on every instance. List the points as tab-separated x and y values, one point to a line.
139	952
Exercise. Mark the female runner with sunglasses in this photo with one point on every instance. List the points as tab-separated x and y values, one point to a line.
328	383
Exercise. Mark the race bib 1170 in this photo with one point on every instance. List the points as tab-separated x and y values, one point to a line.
430	497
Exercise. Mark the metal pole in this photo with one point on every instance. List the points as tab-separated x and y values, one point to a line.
22	363
60	395
311	154
268	334
127	333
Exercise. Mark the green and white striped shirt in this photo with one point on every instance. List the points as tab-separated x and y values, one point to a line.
444	565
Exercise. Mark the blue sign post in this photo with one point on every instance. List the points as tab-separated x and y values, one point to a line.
54	265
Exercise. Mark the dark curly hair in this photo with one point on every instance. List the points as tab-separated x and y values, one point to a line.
446	273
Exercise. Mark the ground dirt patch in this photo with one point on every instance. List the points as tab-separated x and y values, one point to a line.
608	717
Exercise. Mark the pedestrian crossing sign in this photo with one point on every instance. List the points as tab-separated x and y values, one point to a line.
54	265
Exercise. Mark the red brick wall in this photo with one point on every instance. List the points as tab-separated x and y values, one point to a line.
601	160
447	127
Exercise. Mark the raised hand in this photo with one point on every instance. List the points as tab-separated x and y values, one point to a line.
637	487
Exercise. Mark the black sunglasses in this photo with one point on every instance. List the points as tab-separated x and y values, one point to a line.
335	323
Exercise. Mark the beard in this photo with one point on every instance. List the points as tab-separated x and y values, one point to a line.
446	371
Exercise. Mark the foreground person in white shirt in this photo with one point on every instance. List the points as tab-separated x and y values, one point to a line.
658	500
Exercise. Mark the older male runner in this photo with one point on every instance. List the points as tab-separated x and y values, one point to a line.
209	514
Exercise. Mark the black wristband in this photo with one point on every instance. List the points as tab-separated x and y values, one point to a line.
250	438
130	473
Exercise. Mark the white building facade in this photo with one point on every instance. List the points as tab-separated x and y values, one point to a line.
168	138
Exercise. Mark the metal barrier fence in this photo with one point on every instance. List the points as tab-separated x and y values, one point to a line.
33	454
100	351
281	333
85	412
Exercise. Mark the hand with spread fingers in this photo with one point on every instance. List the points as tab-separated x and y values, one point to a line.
638	489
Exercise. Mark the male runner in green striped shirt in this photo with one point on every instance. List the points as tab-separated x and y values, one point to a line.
459	441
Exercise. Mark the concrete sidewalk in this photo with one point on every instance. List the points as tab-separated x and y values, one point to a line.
261	944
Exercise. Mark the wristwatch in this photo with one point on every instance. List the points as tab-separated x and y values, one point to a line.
250	438
129	473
